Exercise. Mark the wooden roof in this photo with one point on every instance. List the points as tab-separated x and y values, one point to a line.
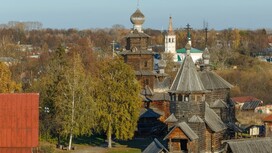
186	129
213	120
155	147
219	103
212	81
260	145
187	79
195	119
149	113
147	91
171	119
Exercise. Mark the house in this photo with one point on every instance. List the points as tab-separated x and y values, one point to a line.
252	130
266	109
149	122
246	103
195	53
257	145
268	125
19	127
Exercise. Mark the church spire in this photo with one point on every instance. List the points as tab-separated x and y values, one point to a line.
170	27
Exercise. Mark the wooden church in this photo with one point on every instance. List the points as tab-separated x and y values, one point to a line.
193	110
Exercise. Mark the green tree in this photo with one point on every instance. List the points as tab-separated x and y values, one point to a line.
66	94
7	85
118	101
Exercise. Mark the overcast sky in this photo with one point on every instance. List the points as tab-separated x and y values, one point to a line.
85	14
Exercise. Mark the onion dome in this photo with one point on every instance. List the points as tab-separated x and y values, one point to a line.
137	18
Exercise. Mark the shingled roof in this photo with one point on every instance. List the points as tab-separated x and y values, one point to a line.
213	120
171	119
186	129
195	119
219	103
155	147
149	113
212	81
147	91
187	79
260	145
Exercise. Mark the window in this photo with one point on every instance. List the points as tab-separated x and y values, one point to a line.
180	97
145	63
186	98
146	81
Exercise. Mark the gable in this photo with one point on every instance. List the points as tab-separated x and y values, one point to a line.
177	133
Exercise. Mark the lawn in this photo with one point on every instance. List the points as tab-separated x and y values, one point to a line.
97	144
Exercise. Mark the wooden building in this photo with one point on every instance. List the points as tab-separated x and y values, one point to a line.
138	54
258	145
189	106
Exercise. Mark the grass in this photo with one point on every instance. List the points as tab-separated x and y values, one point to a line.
87	144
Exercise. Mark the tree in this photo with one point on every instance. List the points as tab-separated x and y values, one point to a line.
118	100
67	95
7	85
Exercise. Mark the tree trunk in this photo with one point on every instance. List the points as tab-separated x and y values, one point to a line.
70	141
109	136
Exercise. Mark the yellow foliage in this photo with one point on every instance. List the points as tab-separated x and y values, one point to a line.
7	85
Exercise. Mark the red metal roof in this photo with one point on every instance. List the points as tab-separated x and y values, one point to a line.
19	121
244	99
268	118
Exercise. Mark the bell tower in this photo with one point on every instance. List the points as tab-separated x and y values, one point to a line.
170	41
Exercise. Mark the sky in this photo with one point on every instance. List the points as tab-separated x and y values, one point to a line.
89	14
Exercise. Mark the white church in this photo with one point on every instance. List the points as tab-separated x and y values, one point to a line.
179	54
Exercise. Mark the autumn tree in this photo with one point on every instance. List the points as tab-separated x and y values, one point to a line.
7	85
117	99
66	96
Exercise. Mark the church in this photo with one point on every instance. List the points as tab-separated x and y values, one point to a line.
192	110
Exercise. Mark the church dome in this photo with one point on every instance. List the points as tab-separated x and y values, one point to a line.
206	54
137	17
